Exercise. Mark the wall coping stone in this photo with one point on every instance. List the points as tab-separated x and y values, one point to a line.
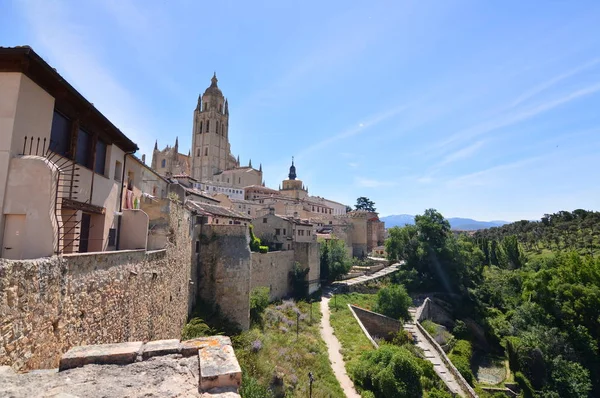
161	347
218	368
103	354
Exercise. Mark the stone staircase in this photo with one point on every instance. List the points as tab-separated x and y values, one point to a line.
432	355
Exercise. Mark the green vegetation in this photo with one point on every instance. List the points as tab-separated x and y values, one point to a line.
460	356
534	288
255	244
259	300
393	301
275	362
393	374
364	203
334	259
299	277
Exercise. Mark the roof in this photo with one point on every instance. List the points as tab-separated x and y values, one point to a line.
293	220
262	188
215	210
68	100
243	201
196	192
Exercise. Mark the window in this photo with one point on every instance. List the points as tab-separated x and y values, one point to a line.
217	127
60	135
207	125
220	108
130	178
83	150
216	221
264	220
198	152
118	170
248	211
308	233
206	106
239	180
230	222
197	246
100	157
163	163
200	129
284	231
206	151
222	129
277	231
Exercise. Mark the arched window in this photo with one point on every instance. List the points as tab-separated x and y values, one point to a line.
222	130
200	126
198	153
207	125
217	127
206	151
163	163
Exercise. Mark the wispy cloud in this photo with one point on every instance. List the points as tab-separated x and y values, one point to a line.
371	183
462	153
551	82
516	117
490	175
67	48
353	165
359	128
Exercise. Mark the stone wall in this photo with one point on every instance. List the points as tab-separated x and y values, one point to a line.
273	271
377	325
307	254
49	305
223	269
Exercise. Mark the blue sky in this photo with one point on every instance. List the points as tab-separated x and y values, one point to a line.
481	109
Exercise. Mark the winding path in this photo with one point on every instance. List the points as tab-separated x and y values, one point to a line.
333	349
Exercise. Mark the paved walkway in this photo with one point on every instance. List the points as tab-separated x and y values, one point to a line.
433	356
365	278
333	348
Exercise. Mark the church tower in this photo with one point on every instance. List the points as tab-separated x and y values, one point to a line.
210	143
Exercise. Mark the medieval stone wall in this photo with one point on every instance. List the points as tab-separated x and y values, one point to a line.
377	325
223	269
48	305
272	270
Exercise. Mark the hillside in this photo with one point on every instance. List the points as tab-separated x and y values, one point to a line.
457	223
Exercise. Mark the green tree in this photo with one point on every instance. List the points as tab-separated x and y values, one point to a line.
334	259
364	203
393	301
259	300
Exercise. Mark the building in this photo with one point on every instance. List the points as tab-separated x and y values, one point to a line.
257	192
338	209
68	181
213	188
243	206
169	162
215	214
292	187
212	159
367	232
281	232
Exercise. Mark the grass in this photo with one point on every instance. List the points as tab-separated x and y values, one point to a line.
273	357
351	337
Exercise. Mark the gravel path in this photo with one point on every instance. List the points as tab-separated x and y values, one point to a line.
333	348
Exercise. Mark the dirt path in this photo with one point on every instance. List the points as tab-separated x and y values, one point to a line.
333	348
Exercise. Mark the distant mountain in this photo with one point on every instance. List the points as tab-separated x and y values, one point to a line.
464	224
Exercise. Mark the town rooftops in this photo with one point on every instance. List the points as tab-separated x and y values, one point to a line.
215	210
68	100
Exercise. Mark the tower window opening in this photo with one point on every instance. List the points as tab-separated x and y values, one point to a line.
200	130
205	151
206	106
198	153
222	130
163	163
207	125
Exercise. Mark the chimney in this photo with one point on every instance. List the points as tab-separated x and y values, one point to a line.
144	158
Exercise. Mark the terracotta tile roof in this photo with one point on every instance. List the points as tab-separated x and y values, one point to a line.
215	210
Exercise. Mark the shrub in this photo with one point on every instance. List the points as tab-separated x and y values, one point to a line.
367	394
196	327
259	300
251	388
460	330
298	277
463	348
263	249
525	385
389	371
464	367
254	241
393	301
435	393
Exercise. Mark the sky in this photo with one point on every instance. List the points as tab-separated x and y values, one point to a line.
480	109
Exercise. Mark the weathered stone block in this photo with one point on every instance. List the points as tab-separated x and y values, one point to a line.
219	368
160	347
105	354
191	347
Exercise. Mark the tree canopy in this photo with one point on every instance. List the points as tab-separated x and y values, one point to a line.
364	203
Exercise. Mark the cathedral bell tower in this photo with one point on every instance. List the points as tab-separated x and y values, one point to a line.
210	141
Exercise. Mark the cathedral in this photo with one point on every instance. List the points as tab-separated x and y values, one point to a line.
212	160
169	162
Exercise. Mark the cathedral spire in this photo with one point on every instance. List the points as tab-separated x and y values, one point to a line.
214	80
199	106
292	175
156	145
250	163
226	107
176	143
238	161
260	168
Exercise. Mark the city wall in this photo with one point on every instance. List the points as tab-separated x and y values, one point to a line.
49	305
272	270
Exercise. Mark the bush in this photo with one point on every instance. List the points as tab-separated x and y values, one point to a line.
460	330
463	348
298	277
263	249
525	385
367	394
254	241
464	367
259	300
196	327
435	393
251	388
389	371
393	301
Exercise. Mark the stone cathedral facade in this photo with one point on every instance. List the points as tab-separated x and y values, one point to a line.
212	160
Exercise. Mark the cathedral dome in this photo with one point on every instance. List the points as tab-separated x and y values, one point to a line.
292	175
213	89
